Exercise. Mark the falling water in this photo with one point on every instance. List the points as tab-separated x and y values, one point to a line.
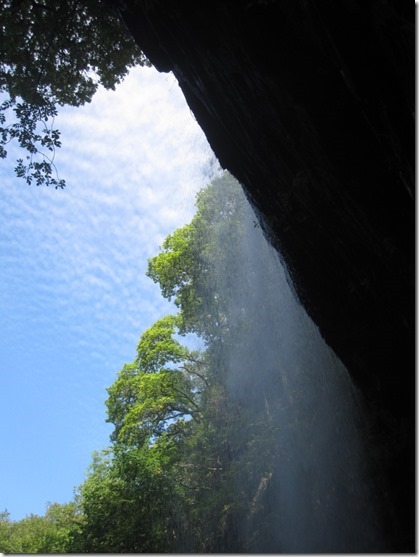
312	493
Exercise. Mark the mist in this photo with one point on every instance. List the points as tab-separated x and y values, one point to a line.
310	489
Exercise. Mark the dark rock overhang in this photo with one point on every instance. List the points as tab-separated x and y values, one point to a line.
310	104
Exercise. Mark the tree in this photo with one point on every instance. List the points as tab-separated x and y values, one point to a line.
190	462
51	533
210	268
127	502
159	391
6	542
56	54
187	268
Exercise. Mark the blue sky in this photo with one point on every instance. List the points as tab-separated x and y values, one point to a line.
74	297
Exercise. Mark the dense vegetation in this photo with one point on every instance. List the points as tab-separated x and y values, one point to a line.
51	533
188	463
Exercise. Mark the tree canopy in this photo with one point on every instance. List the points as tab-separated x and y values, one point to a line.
201	460
187	267
55	54
189	462
158	391
51	533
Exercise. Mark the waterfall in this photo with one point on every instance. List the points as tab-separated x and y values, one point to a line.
312	493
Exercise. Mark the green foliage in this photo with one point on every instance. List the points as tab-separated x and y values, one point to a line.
7	544
160	390
185	266
157	348
173	406
124	502
56	53
52	533
190	465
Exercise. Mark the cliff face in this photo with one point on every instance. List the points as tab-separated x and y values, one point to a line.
310	105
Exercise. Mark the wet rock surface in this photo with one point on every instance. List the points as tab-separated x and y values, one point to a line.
310	105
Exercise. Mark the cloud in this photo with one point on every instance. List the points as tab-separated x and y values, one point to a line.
131	177
73	289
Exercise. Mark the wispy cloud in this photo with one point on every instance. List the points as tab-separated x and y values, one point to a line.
73	290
